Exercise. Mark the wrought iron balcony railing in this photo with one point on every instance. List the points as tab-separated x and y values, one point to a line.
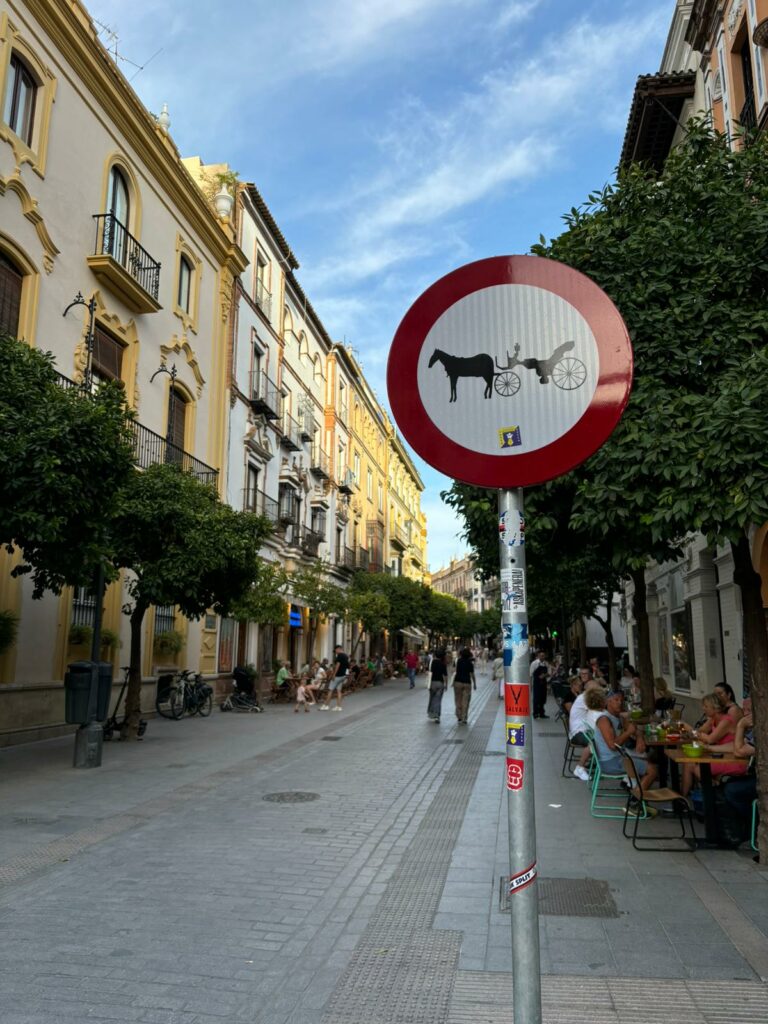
291	437
113	239
319	463
257	501
362	560
265	397
748	115
263	298
150	448
310	540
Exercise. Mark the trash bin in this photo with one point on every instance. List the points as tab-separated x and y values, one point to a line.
77	688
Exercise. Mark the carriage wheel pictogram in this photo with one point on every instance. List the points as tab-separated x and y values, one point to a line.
569	373
507	383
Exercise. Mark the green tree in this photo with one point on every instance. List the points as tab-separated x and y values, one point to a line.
183	547
62	459
265	600
370	609
323	598
684	256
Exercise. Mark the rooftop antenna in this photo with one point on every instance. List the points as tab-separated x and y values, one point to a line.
111	46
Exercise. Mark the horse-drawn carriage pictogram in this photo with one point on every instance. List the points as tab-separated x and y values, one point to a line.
566	372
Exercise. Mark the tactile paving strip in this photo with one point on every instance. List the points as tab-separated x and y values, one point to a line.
401	971
482	996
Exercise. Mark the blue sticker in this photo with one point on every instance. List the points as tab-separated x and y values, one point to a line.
519	632
507	656
515	734
508	639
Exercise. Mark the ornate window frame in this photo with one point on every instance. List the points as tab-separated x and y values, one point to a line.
119	160
36	154
190	320
30	288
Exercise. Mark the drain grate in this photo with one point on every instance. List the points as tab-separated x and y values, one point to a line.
291	798
568	897
314	831
331	739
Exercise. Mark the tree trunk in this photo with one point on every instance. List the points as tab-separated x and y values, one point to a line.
130	727
644	665
581	636
610	642
360	635
755	645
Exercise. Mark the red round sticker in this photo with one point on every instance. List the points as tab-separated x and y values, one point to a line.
509	371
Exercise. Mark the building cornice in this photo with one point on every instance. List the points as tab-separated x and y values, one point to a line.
72	31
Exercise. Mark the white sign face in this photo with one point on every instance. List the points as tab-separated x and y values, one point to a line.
493	381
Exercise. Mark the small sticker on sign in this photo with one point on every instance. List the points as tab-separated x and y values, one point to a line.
515	773
515	734
502	526
517	700
521	880
517	589
509	636
509	437
515	531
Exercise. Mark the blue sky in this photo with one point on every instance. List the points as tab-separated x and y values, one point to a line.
395	140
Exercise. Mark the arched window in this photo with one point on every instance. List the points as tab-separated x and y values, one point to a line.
11	281
185	284
19	113
303	346
318	370
118	197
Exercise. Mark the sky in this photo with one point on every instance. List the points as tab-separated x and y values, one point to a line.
395	140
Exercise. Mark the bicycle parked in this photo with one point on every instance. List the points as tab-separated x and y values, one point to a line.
183	692
242	698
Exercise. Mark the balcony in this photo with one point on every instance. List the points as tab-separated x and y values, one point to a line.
307	426
362	561
399	535
345	558
265	397
347	483
124	266
257	501
151	448
291	437
263	298
319	463
311	541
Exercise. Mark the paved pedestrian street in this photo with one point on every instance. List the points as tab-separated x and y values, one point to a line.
345	869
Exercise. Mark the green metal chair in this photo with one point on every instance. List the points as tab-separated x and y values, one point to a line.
598	808
641	800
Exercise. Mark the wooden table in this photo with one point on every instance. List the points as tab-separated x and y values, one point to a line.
677	757
661	746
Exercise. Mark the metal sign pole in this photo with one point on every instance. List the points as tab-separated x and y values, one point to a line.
522	891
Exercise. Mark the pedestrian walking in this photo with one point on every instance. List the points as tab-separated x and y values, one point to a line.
463	682
411	667
341	667
437	685
497	670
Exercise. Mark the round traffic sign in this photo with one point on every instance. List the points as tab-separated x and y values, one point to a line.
509	371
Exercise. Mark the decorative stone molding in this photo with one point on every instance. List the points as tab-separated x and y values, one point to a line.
735	15
182	346
30	210
257	438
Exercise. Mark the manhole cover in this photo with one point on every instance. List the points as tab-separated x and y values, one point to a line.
314	831
291	798
331	739
495	753
568	897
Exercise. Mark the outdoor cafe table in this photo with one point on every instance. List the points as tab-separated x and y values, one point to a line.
677	757
661	746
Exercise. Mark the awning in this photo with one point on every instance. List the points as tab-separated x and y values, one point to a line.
414	634
657	106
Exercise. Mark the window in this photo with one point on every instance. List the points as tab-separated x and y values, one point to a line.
251	488
83	606
342	402
318	521
177	418
11	281
19	113
185	284
107	361
118	197
165	618
356	468
381	498
369	489
227	635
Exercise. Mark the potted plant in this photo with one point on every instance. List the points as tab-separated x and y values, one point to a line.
8	626
80	636
169	643
110	640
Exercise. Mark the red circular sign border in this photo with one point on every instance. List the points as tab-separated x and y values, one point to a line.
568	451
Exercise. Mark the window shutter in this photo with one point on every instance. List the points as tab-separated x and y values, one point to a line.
10	297
176	419
107	355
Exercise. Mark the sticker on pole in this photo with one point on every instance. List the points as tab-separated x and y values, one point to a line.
515	773
515	734
513	590
508	372
517	700
523	879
